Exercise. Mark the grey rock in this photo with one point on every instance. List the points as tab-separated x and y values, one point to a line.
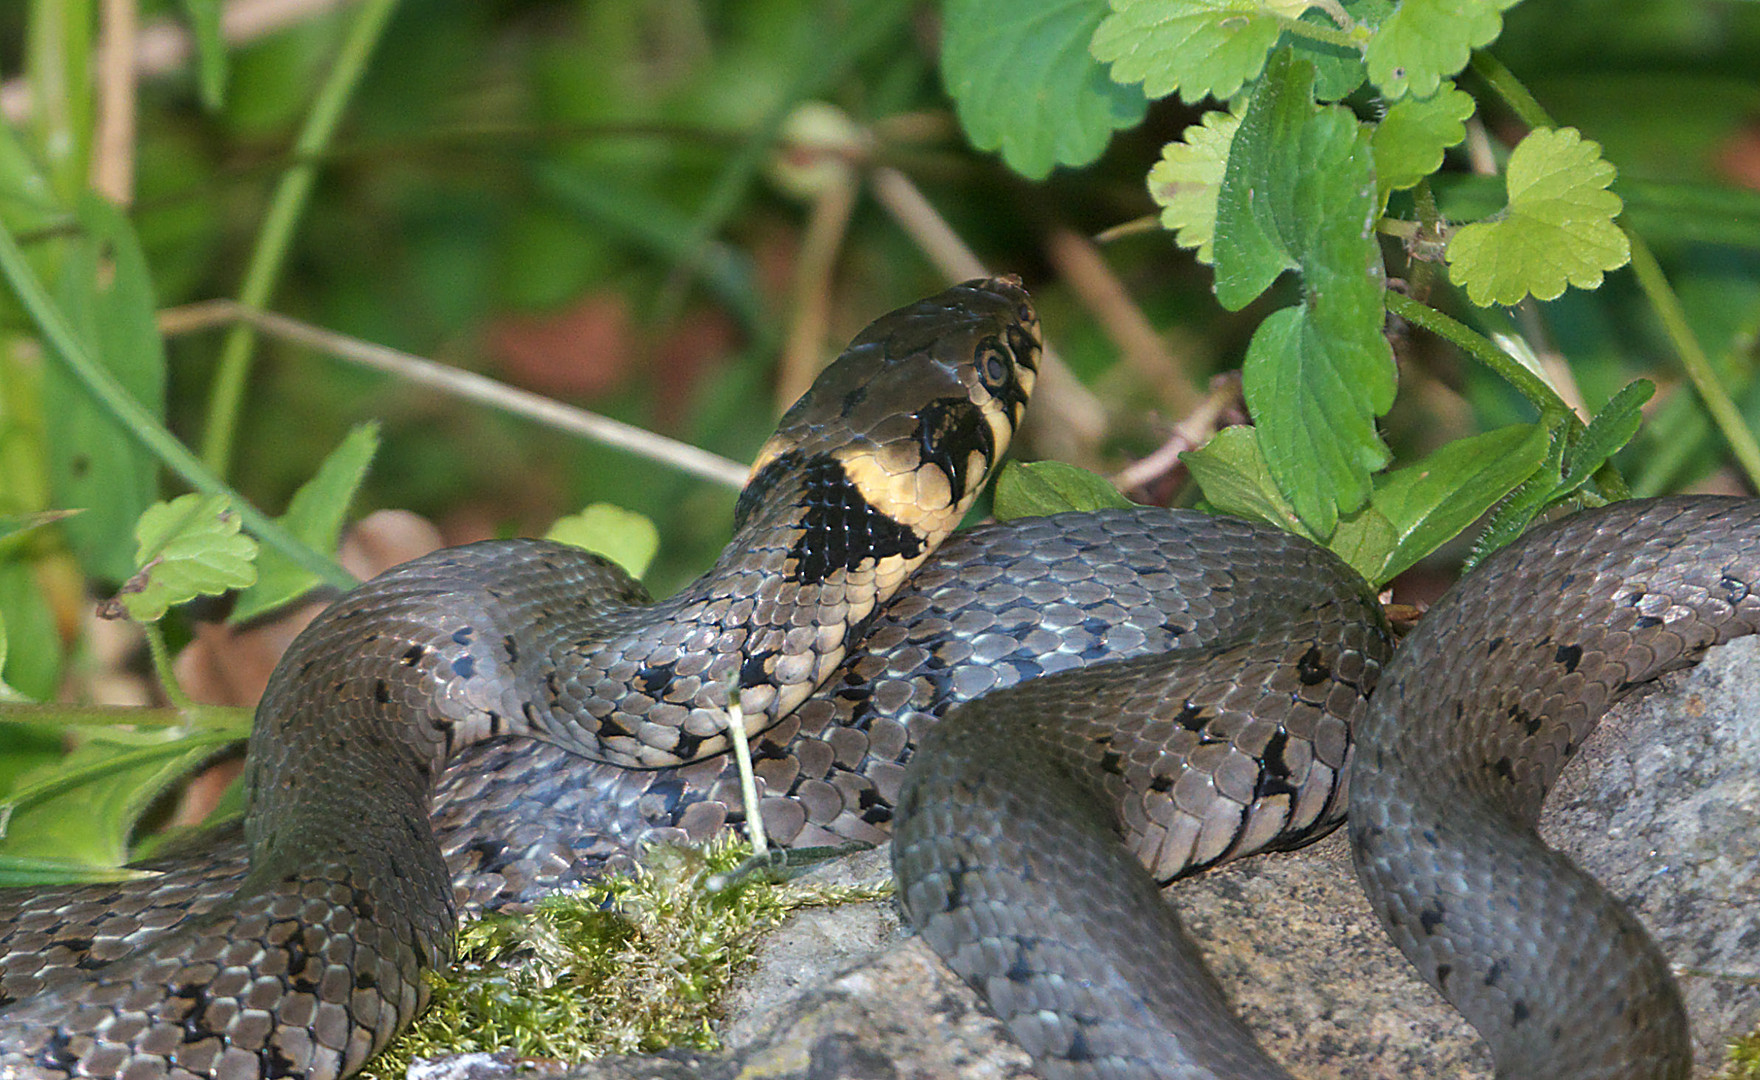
1663	806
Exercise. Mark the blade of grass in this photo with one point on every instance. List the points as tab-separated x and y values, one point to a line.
65	346
285	208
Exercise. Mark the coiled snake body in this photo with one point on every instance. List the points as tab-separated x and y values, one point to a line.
1185	683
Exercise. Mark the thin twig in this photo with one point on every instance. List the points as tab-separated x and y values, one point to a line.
826	226
113	145
1190	433
465	384
1068	411
1144	351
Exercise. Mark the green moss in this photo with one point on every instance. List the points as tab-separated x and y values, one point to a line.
628	964
1743	1062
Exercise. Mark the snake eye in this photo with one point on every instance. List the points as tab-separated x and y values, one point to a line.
993	368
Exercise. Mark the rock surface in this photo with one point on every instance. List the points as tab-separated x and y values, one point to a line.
1663	806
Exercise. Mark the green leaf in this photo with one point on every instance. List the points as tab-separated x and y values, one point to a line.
1558	229
1232	473
1186	180
188	547
1039	488
1192	47
22	871
1426	41
1022	81
1410	140
34	656
107	294
1611	429
623	536
1299	193
203	17
314	516
12	525
1418	508
83	808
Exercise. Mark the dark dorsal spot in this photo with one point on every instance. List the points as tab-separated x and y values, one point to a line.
1530	723
610	727
1112	762
754	670
1019	971
1518	1013
74	944
56	1057
365	980
1192	717
688	745
464	667
1493	645
462	635
414	654
1079	1050
1570	656
840	529
1312	667
1504	768
1495	973
652	679
1161	783
512	647
1273	769
1431	917
1646	622
1735	590
1443	971
1430	838
275	1065
381	692
948	431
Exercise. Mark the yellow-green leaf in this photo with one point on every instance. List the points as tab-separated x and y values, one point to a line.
1558	229
623	536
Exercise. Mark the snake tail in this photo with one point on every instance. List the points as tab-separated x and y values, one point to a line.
1032	836
1489	698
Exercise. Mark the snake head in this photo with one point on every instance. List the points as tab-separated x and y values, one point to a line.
919	408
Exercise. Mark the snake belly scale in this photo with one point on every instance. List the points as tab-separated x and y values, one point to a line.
1124	698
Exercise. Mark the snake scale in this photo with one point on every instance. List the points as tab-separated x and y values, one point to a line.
1124	697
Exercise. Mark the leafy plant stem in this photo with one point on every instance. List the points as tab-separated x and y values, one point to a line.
1528	384
229	717
1324	34
1655	285
163	668
1693	359
145	428
285	208
1505	84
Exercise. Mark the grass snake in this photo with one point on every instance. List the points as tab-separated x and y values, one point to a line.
1125	697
